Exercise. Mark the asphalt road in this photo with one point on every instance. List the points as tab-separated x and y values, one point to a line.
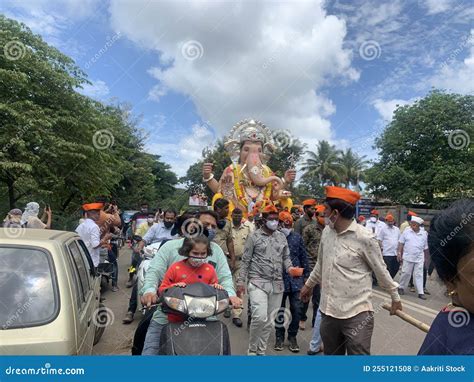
391	335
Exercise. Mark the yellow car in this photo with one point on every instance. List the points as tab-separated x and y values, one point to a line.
49	294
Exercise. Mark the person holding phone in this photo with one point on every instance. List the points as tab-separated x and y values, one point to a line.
30	218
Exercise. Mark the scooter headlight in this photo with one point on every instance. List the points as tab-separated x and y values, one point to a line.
176	304
200	307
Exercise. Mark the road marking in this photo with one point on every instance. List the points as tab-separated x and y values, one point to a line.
409	304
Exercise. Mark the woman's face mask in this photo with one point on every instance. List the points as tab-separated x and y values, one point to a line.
373	219
286	231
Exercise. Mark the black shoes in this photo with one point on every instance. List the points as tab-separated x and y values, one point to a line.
278	345
237	322
293	345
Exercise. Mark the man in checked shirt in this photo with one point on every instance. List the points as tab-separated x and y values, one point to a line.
348	254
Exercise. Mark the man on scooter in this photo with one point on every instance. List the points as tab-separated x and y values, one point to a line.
166	256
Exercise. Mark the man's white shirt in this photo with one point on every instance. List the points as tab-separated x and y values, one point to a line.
89	232
414	244
389	236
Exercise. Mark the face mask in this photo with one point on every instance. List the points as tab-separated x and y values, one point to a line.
221	224
272	225
150	220
210	233
329	222
286	231
236	221
310	214
196	262
144	209
373	219
168	224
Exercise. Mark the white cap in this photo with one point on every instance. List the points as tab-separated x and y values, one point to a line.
417	219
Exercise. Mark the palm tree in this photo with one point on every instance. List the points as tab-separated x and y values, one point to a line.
323	163
352	166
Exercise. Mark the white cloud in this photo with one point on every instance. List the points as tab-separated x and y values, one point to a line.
185	150
437	6
457	75
267	60
386	108
97	89
157	92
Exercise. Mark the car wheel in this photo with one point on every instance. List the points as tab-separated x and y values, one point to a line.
101	321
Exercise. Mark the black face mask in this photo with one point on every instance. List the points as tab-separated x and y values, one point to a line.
221	224
168	224
310	214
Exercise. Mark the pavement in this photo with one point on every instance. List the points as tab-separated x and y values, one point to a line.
392	335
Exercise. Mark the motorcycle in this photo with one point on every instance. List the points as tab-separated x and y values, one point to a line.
195	335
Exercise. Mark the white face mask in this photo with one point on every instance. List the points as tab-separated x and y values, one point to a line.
286	231
150	220
196	262
272	225
329	222
373	219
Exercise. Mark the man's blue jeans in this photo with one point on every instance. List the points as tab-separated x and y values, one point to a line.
152	339
316	341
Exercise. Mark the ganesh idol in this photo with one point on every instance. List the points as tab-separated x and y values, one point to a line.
248	183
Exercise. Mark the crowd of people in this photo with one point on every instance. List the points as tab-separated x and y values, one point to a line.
319	253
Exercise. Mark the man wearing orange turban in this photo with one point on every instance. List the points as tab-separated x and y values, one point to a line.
348	255
308	217
89	231
388	239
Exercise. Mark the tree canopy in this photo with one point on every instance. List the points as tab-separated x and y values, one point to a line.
426	152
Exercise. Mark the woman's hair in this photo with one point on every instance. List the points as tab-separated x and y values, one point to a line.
450	237
346	210
190	242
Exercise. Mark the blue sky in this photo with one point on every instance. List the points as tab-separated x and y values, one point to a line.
319	69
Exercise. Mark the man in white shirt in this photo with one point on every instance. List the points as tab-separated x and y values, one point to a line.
374	225
89	231
388	239
412	249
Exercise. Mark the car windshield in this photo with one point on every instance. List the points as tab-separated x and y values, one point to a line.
28	295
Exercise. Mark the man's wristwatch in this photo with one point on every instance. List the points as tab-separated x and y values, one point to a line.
208	179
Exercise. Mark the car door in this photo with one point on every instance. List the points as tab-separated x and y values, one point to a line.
86	305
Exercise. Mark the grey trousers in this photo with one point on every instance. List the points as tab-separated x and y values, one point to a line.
152	339
353	334
264	308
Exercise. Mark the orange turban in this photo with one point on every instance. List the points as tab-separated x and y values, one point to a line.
374	212
345	194
320	208
270	208
411	213
309	202
92	206
285	217
361	218
389	218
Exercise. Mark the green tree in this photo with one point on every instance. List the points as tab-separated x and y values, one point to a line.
323	164
352	166
426	151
